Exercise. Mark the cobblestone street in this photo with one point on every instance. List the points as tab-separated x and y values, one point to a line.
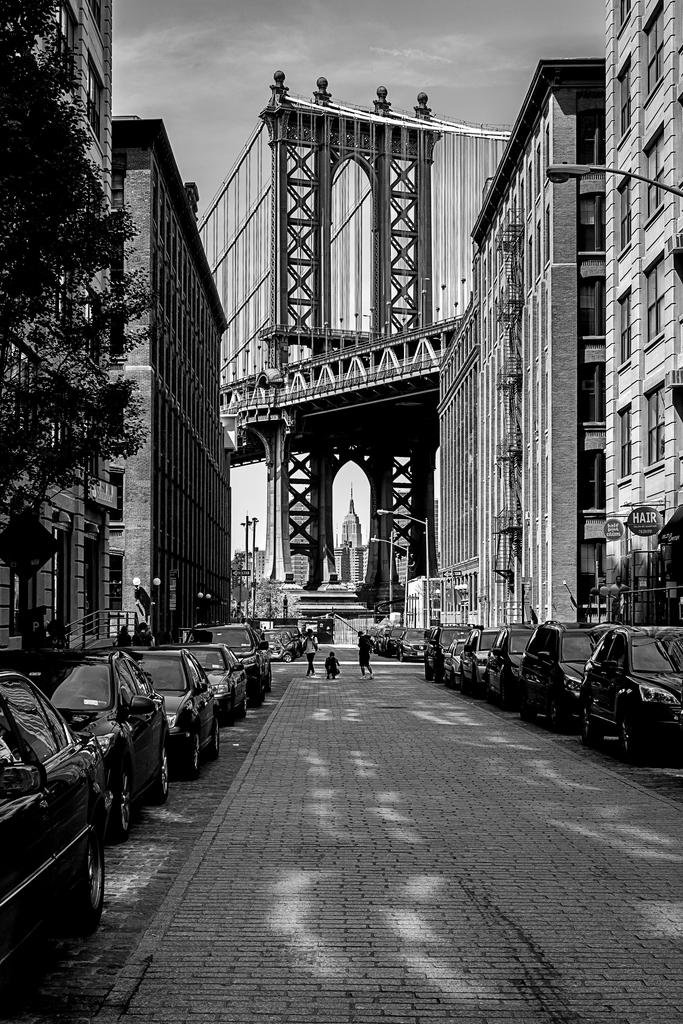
389	850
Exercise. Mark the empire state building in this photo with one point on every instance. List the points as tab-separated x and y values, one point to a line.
351	535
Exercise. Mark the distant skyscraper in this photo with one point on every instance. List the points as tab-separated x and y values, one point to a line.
351	534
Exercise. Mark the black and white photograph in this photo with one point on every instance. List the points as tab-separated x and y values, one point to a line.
341	512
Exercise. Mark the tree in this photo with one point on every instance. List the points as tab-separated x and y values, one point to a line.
63	313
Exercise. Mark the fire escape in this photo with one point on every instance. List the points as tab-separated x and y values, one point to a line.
508	523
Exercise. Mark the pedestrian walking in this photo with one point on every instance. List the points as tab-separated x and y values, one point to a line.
332	665
310	647
364	649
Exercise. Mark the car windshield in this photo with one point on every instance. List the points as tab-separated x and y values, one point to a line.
79	687
576	647
487	638
518	641
657	654
167	673
414	636
210	658
447	637
233	636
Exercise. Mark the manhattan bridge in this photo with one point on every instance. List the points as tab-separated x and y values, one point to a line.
340	245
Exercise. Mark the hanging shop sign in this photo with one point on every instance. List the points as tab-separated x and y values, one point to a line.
644	521
614	529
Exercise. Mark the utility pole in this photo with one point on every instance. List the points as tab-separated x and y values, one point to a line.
253	567
246	524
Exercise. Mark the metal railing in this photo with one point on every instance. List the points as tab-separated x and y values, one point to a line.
103	624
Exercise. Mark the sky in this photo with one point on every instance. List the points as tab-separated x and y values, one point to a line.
205	67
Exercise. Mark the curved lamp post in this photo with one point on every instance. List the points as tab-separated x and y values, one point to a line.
425	523
390	542
558	173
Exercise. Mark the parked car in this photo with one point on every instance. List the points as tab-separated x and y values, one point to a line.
282	646
53	811
190	705
504	665
410	645
632	687
437	640
451	662
474	660
247	648
381	639
552	670
392	641
227	679
104	694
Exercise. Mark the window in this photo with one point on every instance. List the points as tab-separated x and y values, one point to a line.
94	104
592	224
592	476
96	8
116	479
655	45
625	327
538	169
592	308
655	300
547	234
66	31
624	10
118	181
116	582
547	145
32	726
539	250
625	98
655	169
625	442
592	397
655	425
591	137
625	214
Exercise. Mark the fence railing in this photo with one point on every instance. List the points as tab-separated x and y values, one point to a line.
103	624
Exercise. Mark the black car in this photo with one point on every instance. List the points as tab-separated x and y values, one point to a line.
227	679
191	710
451	662
248	648
282	646
104	694
474	660
632	687
380	641
410	645
53	811
552	670
504	665
437	641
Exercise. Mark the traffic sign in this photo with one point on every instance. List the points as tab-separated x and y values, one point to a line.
614	529
241	572
643	521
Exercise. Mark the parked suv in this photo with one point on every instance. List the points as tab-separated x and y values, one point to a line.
504	665
248	648
552	670
632	687
474	660
410	645
437	641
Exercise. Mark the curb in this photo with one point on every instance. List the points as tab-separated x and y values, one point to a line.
132	973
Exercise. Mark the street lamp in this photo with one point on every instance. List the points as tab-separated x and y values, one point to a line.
390	542
558	173
425	523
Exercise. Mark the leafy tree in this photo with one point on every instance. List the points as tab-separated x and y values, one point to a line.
62	313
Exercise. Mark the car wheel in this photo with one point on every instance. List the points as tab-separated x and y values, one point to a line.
401	656
590	733
438	676
463	682
503	697
556	718
193	756
287	657
630	741
214	747
429	673
121	812
85	909
160	786
269	680
242	708
526	712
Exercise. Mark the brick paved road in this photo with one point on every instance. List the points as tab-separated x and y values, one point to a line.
409	855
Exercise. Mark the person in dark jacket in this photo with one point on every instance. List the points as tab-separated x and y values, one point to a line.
142	637
332	665
364	649
123	637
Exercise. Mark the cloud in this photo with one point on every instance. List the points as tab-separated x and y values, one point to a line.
411	54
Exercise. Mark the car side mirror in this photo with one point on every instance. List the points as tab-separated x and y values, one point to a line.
263	646
19	780
141	705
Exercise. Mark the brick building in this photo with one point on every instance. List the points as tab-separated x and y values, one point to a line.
645	262
174	500
540	271
74	585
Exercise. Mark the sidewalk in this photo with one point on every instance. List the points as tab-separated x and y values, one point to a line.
390	851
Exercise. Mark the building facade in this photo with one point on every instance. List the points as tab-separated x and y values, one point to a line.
540	265
174	500
459	429
645	261
73	587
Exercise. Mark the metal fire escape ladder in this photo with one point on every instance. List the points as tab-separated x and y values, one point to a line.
508	524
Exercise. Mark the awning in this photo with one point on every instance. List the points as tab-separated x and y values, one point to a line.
673	529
